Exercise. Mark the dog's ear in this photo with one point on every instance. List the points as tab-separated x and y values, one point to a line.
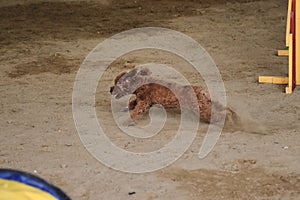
118	77
145	72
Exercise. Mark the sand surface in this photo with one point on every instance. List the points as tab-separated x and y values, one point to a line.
43	44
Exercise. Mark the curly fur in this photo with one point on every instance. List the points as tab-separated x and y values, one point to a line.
149	93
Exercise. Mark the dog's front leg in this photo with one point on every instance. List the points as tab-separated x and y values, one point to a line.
140	109
132	104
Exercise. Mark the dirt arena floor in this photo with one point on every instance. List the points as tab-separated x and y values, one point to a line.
43	44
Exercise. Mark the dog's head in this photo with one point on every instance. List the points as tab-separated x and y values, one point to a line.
127	82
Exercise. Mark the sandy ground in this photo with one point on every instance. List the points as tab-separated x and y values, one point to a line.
42	46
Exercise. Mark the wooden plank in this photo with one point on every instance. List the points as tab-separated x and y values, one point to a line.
288	23
283	53
273	80
289	89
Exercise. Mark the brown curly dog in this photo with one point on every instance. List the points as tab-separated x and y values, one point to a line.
148	92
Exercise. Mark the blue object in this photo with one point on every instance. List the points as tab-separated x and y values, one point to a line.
34	181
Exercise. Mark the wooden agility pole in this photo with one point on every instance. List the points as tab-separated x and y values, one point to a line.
292	50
